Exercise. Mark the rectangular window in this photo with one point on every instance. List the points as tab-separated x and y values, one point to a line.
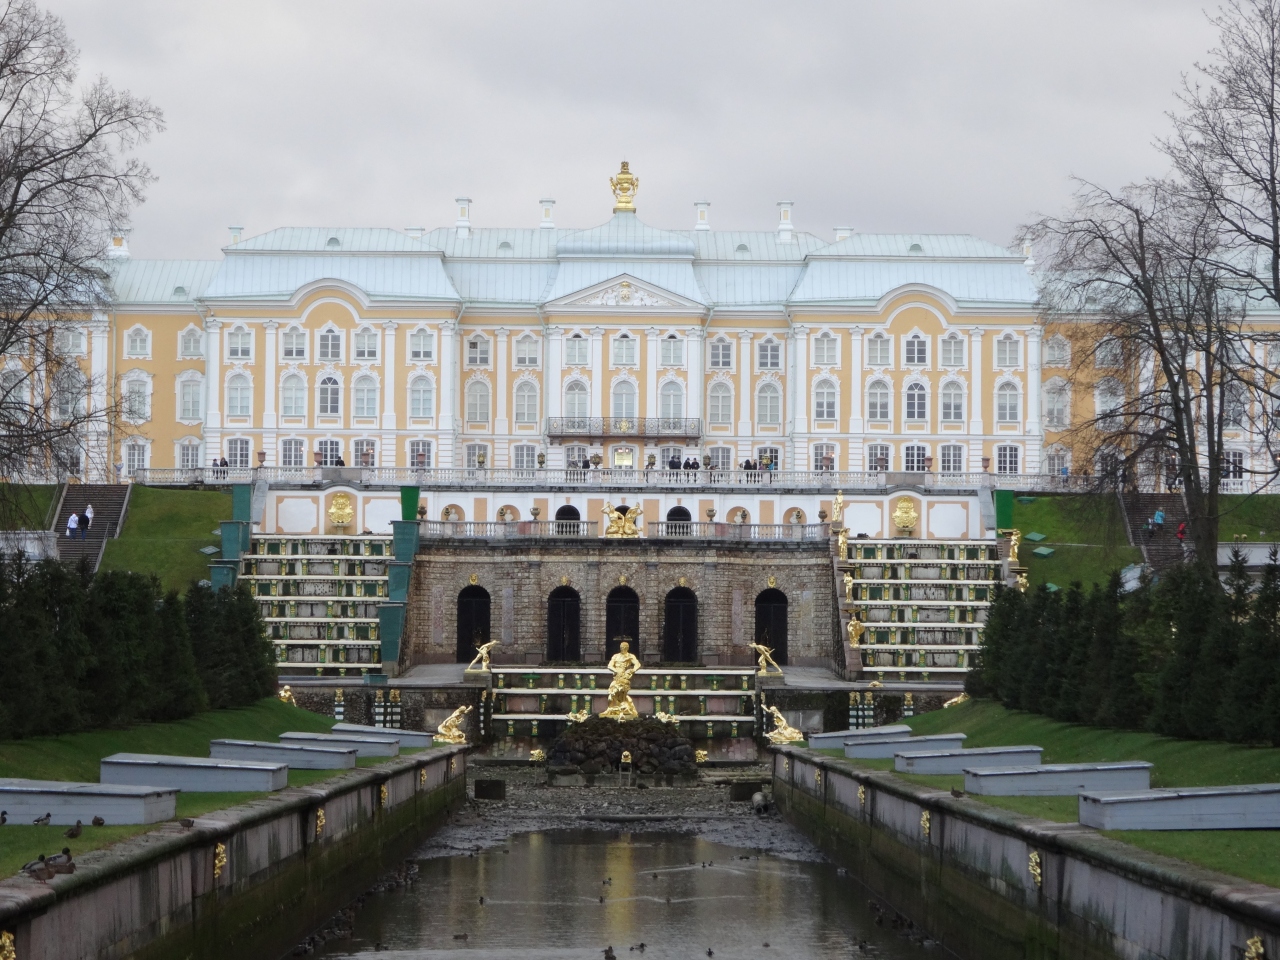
1108	353
878	457
1006	459
239	344
1007	352
422	346
769	457
878	348
474	452
824	402
952	352
1233	465
330	345
478	352
577	351
295	345
137	400
69	340
574	455
365	453
330	453
720	405
1056	464
721	458
624	351
913	455
824	456
190	400
952	458
238	453
292	454
672	352
668	455
526	352
293	398
917	351
191	344
189	456
421	399
367	345
770	355
136	343
721	355
366	399
769	406
525	456
135	457
420	454
824	350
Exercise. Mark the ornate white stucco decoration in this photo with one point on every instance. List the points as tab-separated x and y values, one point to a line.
624	294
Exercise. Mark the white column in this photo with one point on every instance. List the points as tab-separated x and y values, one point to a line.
651	337
697	367
500	424
598	385
744	387
213	389
976	398
854	386
271	336
798	377
551	380
98	453
448	393
390	370
1035	435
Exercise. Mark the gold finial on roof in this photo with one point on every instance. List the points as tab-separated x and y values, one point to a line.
624	185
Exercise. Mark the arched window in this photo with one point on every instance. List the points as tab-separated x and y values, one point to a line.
576	400
365	397
422	346
564	613
1108	353
422	398
1007	403
473	622
917	403
1235	405
771	623
192	344
69	387
526	352
1057	398
878	400
952	402
137	342
526	402
671	401
239	344
137	400
768	405
1057	352
824	400
621	620
239	396
293	397
680	627
917	350
330	398
624	399
720	404
477	402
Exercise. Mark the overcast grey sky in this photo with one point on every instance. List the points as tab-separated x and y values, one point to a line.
929	115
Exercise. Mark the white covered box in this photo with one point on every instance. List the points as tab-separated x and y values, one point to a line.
883	748
409	739
193	774
957	761
1058	779
66	802
365	746
1254	806
296	756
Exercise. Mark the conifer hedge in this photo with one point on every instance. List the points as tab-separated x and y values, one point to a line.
80	651
1186	655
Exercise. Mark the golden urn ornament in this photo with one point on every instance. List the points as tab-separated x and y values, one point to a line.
905	517
624	186
341	512
451	730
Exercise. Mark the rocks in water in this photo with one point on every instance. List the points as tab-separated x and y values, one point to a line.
596	746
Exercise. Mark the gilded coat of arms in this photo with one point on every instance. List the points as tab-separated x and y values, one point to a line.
341	510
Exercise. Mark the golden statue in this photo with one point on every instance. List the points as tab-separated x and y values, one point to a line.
1015	538
286	696
451	730
578	717
956	701
623	666
837	506
341	512
1022	582
905	517
668	717
843	540
624	185
483	654
848	586
622	520
766	660
856	629
782	731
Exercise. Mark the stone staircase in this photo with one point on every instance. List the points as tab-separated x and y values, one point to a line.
110	503
1160	547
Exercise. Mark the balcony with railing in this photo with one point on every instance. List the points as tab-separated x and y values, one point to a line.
434	530
688	428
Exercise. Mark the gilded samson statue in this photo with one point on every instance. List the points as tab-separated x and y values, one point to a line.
623	665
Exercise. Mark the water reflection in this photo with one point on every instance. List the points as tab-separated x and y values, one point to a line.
572	893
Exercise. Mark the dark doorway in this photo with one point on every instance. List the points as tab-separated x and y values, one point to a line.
678	522
567	521
621	619
680	627
473	622
771	623
564	618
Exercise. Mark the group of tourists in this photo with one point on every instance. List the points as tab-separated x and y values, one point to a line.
80	522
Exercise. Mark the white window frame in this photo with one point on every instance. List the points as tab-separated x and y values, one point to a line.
70	341
525	402
240	344
577	389
132	348
625	350
769	354
422	345
524	456
1108	354
135	399
826	350
720	356
362	388
623	389
330	451
479	353
359	448
184	337
329	345
671	405
239	451
478	398
328	388
1008	459
189	455
951	351
238	410
826	401
773	417
299	383
473	451
821	450
879	351
365	345
1003	392
1052	346
879	457
720	404
951	458
527	352
293	344
420	448
915	403
290	446
951	402
190	391
671	351
422	398
577	351
1057	405
1008	352
874	414
913	457
915	350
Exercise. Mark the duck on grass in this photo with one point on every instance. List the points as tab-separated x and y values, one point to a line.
596	746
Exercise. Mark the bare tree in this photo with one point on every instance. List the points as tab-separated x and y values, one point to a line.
1162	330
66	178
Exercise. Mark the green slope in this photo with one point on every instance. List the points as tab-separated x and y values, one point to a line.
164	531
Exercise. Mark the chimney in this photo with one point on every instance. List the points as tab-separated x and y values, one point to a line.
843	233
784	220
548	213
415	232
119	243
463	223
235	233
702	219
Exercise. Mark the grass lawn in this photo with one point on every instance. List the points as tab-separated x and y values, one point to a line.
1256	516
75	757
25	506
1086	533
164	531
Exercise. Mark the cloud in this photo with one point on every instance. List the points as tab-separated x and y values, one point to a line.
922	116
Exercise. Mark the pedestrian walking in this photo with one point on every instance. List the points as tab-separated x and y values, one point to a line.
84	527
88	517
73	524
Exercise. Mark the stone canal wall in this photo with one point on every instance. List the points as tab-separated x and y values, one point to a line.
995	885
248	882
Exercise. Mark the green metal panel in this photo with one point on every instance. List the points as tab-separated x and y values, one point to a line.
398	573
235	539
390	627
242	501
1004	509
404	539
409	503
223	574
